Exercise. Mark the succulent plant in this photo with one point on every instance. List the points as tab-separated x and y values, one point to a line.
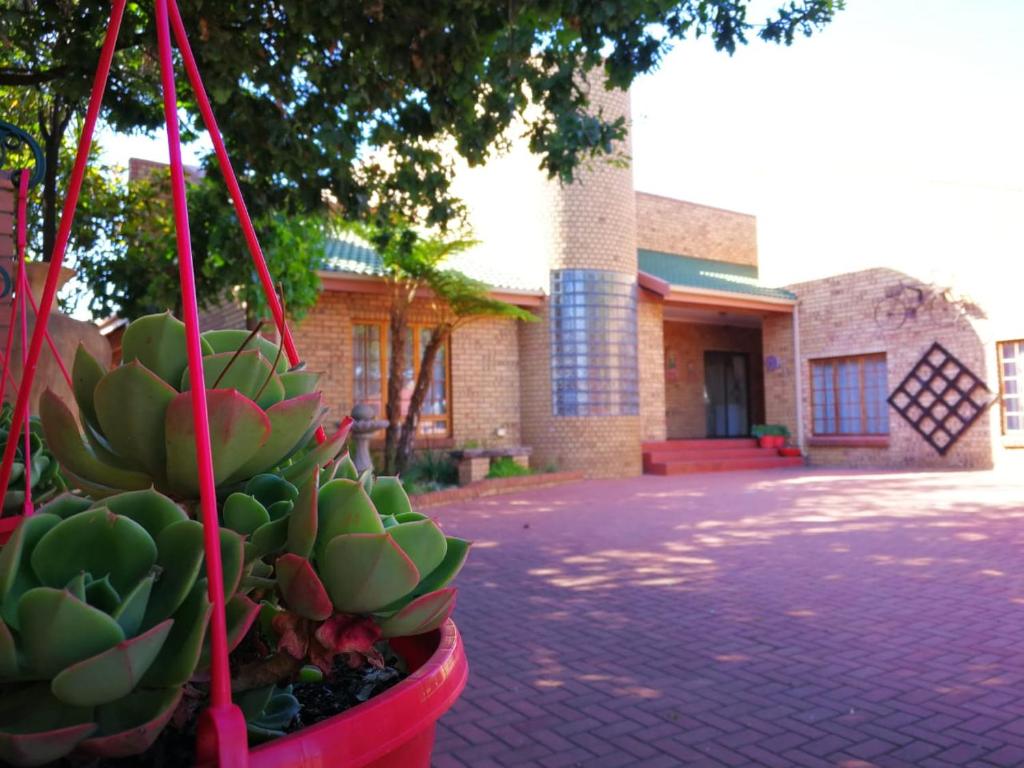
103	615
45	472
136	419
352	564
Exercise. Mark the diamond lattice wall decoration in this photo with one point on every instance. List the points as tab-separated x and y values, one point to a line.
940	398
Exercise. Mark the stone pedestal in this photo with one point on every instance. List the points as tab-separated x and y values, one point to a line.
473	469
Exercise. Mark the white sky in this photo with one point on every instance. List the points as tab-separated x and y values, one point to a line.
894	138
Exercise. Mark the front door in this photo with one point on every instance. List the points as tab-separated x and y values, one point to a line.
727	394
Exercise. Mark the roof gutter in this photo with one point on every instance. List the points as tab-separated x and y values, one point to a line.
352	282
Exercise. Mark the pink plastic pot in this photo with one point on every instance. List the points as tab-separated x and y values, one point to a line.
790	452
771	441
393	730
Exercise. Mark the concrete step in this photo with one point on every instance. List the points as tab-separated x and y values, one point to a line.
701	443
721	465
686	453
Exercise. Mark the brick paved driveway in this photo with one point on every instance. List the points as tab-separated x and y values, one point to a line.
786	618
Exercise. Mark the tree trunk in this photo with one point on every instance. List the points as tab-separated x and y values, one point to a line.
419	393
393	408
51	151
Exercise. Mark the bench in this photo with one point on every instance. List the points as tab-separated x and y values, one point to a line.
475	463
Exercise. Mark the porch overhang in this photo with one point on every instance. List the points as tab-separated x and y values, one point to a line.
706	298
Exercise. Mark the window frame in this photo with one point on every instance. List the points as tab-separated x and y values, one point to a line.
1018	358
860	359
385	352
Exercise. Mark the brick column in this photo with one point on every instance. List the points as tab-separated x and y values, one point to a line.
592	422
6	257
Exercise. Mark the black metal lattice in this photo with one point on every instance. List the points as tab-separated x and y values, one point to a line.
940	398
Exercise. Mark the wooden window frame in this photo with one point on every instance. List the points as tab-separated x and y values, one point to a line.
1019	378
385	352
871	438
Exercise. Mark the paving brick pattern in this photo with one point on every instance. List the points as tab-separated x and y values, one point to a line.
784	618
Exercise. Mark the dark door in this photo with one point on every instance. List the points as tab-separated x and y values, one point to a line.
727	394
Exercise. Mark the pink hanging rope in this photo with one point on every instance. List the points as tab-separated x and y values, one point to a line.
61	243
251	240
23	287
223	721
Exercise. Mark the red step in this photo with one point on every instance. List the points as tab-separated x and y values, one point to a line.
701	443
696	454
721	465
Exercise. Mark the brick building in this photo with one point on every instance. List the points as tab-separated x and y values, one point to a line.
654	329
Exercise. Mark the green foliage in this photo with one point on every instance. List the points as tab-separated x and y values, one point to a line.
357	98
136	420
133	270
46	478
103	614
774	430
507	467
432	470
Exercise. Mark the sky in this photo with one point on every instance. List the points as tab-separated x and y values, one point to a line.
893	137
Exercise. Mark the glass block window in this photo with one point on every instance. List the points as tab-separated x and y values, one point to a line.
371	345
1011	382
593	343
848	396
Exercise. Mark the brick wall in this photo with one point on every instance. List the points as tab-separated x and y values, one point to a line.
837	317
685	345
6	250
650	327
780	384
484	363
676	226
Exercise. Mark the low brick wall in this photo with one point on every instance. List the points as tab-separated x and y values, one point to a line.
493	487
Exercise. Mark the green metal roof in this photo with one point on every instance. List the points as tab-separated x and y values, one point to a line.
345	252
705	274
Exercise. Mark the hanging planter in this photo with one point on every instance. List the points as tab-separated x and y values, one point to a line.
219	519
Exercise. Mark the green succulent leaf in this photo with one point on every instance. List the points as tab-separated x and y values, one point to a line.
249	372
301	588
86	373
230	339
180	558
131	405
423	542
303	521
290	423
9	667
158	342
270	489
240	613
344	507
130	613
66	505
149	508
270	538
319	456
58	629
130	725
454	558
16	574
297	382
345	468
78	458
244	514
366	480
37	729
100	593
364	572
389	497
179	656
238	428
423	614
98	542
113	674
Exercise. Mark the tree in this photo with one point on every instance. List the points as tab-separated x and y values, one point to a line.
414	265
133	270
306	92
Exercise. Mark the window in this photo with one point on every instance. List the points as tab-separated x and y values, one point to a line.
848	396
594	343
370	349
1011	377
